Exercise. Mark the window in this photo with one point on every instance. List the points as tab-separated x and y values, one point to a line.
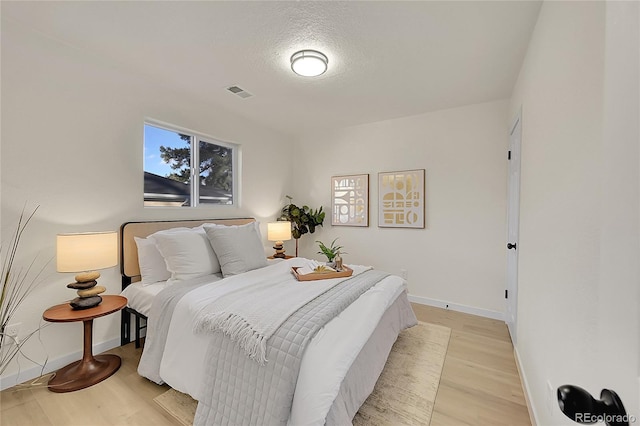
170	159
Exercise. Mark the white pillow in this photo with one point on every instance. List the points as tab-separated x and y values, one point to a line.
238	247
187	254
151	263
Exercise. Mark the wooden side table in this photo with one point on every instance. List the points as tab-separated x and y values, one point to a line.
89	370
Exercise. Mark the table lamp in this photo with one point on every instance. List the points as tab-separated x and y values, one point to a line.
85	253
279	232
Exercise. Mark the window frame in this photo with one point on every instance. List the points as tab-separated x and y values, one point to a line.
196	138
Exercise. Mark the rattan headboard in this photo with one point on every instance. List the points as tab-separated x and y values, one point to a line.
129	251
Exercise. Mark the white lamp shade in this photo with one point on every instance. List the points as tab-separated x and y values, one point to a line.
279	231
87	251
309	63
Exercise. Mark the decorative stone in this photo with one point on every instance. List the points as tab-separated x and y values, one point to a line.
85	302
93	291
87	276
82	286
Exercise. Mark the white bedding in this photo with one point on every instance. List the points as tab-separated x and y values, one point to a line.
140	297
334	348
324	365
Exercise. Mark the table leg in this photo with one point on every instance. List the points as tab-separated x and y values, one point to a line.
88	371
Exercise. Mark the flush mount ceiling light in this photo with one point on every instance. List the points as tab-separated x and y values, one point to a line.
309	63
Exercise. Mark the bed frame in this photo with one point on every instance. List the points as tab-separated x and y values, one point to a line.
130	269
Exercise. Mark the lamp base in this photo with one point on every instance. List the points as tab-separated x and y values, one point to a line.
87	290
279	254
80	303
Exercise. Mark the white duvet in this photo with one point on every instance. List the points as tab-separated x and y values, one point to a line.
325	363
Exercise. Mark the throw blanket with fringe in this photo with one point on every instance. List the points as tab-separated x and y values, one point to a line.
250	307
239	391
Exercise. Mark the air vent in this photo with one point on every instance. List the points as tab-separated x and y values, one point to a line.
239	92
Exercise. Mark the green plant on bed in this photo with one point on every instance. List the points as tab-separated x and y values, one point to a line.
332	251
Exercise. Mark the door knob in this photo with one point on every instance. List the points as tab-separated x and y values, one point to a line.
578	404
511	246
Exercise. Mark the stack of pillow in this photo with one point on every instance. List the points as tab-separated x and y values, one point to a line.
179	254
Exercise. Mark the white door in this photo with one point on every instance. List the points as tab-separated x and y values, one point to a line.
513	221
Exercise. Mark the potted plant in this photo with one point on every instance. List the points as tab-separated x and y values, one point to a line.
303	219
331	252
18	282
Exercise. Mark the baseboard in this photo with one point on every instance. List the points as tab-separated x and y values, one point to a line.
458	308
53	365
525	388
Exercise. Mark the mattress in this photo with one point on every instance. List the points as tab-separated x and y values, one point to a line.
326	362
140	297
327	387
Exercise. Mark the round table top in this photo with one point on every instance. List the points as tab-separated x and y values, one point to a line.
65	313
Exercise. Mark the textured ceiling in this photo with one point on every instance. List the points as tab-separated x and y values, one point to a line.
386	59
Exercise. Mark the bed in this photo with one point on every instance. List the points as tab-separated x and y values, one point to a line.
312	356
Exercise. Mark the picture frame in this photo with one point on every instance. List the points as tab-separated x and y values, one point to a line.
350	200
401	199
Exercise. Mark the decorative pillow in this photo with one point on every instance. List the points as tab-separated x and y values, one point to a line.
152	266
187	254
238	247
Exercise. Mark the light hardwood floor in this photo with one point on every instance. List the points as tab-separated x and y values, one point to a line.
479	385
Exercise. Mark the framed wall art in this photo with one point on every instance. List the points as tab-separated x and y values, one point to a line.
401	199
350	200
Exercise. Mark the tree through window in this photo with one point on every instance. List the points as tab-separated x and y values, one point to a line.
168	172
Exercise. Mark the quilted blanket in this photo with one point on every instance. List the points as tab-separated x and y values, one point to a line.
240	391
250	309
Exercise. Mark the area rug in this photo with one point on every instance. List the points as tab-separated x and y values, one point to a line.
404	394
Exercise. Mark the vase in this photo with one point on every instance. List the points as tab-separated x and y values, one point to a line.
338	262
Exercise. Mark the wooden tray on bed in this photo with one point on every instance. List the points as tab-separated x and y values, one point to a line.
346	272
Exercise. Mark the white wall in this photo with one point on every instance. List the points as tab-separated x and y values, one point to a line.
72	131
578	268
460	257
